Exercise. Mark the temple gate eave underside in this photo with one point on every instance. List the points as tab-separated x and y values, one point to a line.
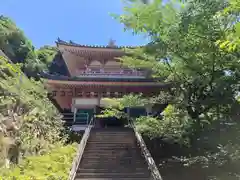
65	93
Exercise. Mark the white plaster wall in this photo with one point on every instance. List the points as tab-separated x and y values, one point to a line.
86	101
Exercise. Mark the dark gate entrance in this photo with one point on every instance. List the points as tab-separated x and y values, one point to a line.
136	112
84	116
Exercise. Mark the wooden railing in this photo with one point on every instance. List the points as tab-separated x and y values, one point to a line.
110	77
123	72
80	151
151	163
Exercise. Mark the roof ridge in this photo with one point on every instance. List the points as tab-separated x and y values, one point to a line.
71	43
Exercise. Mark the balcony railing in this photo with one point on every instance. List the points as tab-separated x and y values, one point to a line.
103	73
108	78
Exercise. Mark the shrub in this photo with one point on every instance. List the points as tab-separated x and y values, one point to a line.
54	165
172	128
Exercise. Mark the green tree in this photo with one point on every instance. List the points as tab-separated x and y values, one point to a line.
39	60
183	50
29	123
232	40
13	41
19	49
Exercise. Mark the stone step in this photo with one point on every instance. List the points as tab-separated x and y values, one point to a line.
117	133
113	178
113	142
112	175
114	166
105	165
119	149
114	135
134	157
100	147
106	155
111	136
112	131
114	147
110	142
110	149
109	129
111	161
130	162
110	156
104	144
113	170
116	142
113	139
109	164
112	153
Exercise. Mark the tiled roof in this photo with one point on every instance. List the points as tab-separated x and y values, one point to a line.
71	43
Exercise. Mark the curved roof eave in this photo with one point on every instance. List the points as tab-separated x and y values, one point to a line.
71	43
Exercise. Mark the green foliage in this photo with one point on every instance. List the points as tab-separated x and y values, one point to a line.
29	123
29	91
37	122
54	165
116	105
173	128
46	54
132	100
184	52
40	59
19	48
218	146
13	41
232	35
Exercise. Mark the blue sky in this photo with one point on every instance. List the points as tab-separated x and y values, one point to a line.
82	21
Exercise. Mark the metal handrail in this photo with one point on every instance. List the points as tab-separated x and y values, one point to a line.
80	150
147	155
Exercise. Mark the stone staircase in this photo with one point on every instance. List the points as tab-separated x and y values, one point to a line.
112	153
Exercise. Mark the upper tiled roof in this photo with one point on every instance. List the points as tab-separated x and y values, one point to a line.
71	43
